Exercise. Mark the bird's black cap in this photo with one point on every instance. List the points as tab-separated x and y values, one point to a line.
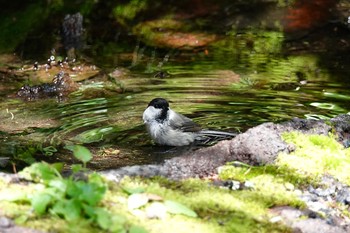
162	104
159	103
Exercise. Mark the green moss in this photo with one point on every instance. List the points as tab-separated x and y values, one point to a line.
271	182
219	210
316	155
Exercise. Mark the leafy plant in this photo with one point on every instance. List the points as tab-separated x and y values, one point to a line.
81	153
70	198
27	153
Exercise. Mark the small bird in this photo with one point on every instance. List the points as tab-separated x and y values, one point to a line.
169	128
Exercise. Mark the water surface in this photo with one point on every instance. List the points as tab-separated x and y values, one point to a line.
226	88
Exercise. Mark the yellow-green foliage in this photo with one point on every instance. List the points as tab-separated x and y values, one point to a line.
316	155
272	184
219	210
129	11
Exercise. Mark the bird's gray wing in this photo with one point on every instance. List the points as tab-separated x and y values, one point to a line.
180	122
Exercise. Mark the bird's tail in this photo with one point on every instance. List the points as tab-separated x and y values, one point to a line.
209	137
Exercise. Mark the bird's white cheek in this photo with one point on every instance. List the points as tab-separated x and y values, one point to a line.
146	116
150	114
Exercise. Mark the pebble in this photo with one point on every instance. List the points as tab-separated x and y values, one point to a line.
156	210
289	186
5	222
320	200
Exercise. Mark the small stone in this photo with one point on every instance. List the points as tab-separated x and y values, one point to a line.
156	210
316	206
298	192
5	222
347	200
138	213
289	186
232	184
344	196
249	185
137	200
275	219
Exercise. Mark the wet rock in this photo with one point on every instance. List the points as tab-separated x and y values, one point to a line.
259	145
43	72
341	124
61	86
307	126
137	170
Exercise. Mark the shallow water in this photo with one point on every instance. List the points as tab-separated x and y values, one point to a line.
222	89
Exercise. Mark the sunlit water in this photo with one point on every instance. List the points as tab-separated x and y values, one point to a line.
220	92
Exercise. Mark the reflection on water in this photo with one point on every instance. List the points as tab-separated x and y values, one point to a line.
223	90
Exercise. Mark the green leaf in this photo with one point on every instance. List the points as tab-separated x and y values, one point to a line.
73	188
89	211
69	209
39	172
92	193
104	219
97	179
40	202
21	219
82	153
76	168
59	184
129	190
178	208
88	192
137	229
58	166
118	222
